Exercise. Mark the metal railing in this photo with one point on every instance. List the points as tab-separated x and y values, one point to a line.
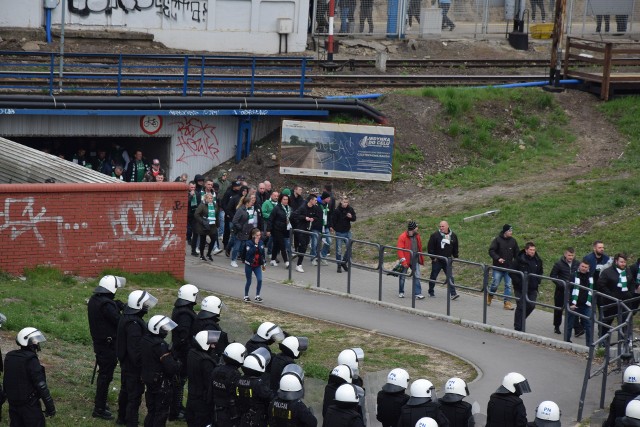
125	74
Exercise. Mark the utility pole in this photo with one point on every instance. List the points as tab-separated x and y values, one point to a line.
555	66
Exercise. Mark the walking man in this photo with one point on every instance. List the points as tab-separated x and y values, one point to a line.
565	269
503	250
528	262
443	242
410	241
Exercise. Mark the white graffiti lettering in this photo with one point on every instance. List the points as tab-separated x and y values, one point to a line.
132	222
250	112
7	111
171	9
28	220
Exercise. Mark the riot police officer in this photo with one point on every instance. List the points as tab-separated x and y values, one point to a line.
184	316
291	348
631	415
253	393
548	415
505	408
201	362
628	391
267	334
422	403
208	319
104	315
392	397
344	412
457	411
25	382
340	375
287	409
224	379
131	329
426	422
159	366
352	358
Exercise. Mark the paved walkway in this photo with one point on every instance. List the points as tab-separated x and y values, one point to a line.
553	374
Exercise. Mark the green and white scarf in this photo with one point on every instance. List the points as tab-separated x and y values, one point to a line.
622	280
576	291
211	210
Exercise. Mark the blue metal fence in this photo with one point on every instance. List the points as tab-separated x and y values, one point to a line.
128	74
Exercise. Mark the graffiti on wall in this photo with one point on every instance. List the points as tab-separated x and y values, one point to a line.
20	216
133	222
195	138
196	10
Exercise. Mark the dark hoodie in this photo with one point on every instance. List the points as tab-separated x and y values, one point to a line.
330	392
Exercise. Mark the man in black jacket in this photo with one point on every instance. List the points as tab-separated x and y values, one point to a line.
505	407
581	302
503	250
528	262
304	218
443	242
104	315
343	216
232	192
564	269
617	282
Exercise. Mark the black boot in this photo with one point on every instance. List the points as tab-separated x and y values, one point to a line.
100	409
339	268
104	414
345	266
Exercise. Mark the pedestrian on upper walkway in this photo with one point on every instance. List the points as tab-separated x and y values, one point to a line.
503	250
410	241
444	243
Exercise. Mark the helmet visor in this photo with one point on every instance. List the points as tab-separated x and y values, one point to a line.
293	369
303	343
3	319
120	281
522	387
276	334
359	353
166	324
149	302
359	392
35	338
264	353
213	337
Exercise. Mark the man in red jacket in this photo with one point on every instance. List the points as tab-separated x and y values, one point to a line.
410	241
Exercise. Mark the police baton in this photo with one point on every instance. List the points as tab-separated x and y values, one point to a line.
95	368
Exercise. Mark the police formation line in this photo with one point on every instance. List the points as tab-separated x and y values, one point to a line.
235	385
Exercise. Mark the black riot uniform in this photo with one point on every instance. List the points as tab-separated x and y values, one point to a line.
224	379
410	413
253	396
158	368
342	414
618	406
207	321
104	315
184	316
200	366
627	422
290	413
458	413
131	329
25	383
255	343
330	392
506	409
389	405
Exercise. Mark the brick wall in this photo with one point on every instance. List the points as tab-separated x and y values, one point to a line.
82	229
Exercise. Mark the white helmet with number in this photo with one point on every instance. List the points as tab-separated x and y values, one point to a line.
211	304
344	372
633	409
631	375
294	345
268	331
422	391
455	389
206	338
547	414
426	422
351	357
235	352
110	284
188	294
28	337
347	393
515	383
161	325
139	300
397	380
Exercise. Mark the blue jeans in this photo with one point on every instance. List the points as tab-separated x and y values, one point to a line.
436	268
417	287
248	271
237	244
314	242
344	18
585	310
340	242
501	275
220	224
325	246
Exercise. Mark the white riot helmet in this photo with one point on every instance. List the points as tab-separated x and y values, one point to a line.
187	294
3	319
235	353
631	375
348	393
344	372
426	422
161	325
140	300
515	383
257	361
30	337
351	357
455	389
397	380
205	339
633	409
293	346
110	284
547	414
291	383
210	306
422	391
268	332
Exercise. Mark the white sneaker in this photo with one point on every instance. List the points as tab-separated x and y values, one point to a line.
216	251
314	262
286	264
197	250
401	295
274	263
234	264
299	269
323	262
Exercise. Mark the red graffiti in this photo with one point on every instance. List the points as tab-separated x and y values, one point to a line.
196	139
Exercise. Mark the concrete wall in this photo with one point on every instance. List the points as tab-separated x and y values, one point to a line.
83	229
248	26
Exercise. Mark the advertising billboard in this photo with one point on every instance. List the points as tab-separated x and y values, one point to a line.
336	150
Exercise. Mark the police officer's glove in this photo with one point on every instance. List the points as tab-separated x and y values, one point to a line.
50	412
